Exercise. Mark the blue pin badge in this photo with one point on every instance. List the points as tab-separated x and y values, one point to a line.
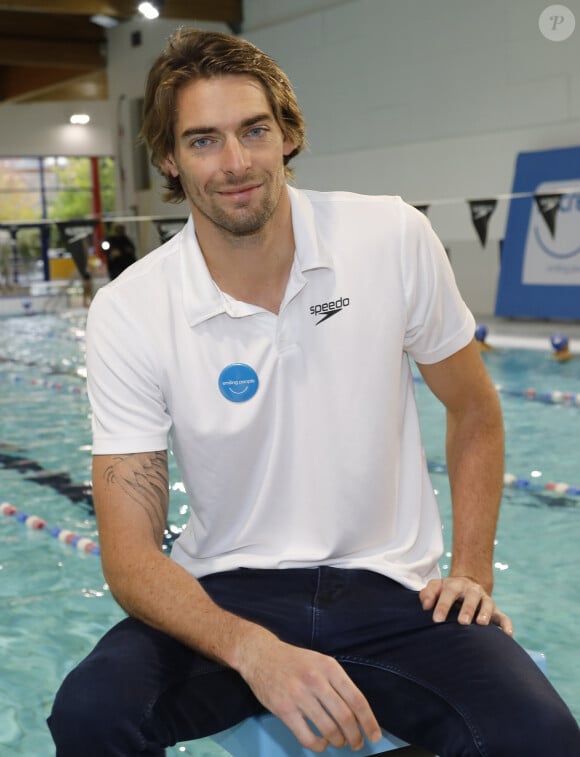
238	382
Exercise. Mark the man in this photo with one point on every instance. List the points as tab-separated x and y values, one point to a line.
270	340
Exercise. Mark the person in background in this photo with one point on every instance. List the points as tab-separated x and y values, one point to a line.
481	336
119	251
87	289
561	348
270	341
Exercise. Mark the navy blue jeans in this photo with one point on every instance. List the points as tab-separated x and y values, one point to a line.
454	690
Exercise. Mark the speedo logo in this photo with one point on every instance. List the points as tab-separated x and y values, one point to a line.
328	309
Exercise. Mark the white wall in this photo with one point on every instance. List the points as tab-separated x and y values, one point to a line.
44	129
430	99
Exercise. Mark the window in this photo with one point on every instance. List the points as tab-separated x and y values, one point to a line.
39	189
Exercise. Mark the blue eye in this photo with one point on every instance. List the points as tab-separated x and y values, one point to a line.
257	131
201	142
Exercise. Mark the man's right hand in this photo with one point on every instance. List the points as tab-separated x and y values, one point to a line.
304	688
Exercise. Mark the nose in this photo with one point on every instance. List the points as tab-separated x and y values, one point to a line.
235	157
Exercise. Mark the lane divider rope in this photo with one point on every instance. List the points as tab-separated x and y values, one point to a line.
84	544
34	522
511	481
46	384
549	398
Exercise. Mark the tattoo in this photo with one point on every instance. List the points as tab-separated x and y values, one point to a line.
144	478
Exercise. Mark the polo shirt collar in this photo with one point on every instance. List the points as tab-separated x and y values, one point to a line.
201	297
203	300
309	254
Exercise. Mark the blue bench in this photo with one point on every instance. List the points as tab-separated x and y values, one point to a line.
267	736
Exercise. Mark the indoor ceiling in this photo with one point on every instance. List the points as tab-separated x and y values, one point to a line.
50	50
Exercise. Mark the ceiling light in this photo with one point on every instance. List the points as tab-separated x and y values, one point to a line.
81	119
149	10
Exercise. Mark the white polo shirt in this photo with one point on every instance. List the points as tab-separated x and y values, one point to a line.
297	434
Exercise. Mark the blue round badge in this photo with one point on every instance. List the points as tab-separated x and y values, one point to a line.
238	382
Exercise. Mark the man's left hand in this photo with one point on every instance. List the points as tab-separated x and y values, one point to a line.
474	603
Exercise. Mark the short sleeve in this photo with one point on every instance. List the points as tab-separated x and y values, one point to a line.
439	323
129	411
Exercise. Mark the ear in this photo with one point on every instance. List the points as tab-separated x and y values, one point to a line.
168	166
289	148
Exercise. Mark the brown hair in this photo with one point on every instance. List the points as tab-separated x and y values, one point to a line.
193	53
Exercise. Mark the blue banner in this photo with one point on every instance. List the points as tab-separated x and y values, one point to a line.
540	261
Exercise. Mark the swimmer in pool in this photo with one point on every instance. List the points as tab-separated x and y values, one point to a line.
481	336
561	348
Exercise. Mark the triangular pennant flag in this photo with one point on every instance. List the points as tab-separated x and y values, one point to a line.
548	205
423	208
481	211
168	227
77	237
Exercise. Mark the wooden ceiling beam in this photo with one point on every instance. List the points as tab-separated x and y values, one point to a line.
32	52
117	8
19	81
16	81
48	26
46	44
87	87
228	11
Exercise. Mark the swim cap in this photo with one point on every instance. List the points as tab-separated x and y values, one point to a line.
481	332
559	341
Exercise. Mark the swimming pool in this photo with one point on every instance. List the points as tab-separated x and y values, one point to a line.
54	604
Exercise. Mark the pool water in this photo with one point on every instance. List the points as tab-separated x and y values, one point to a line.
538	536
54	603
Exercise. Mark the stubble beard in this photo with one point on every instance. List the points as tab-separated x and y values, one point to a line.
242	221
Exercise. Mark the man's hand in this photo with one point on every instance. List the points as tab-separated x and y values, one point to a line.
303	687
475	604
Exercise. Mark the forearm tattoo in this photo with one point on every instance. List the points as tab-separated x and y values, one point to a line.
144	478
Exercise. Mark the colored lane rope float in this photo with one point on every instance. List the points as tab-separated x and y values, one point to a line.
549	398
34	522
511	481
46	384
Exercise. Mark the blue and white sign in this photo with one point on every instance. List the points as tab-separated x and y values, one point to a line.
540	270
554	259
238	382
